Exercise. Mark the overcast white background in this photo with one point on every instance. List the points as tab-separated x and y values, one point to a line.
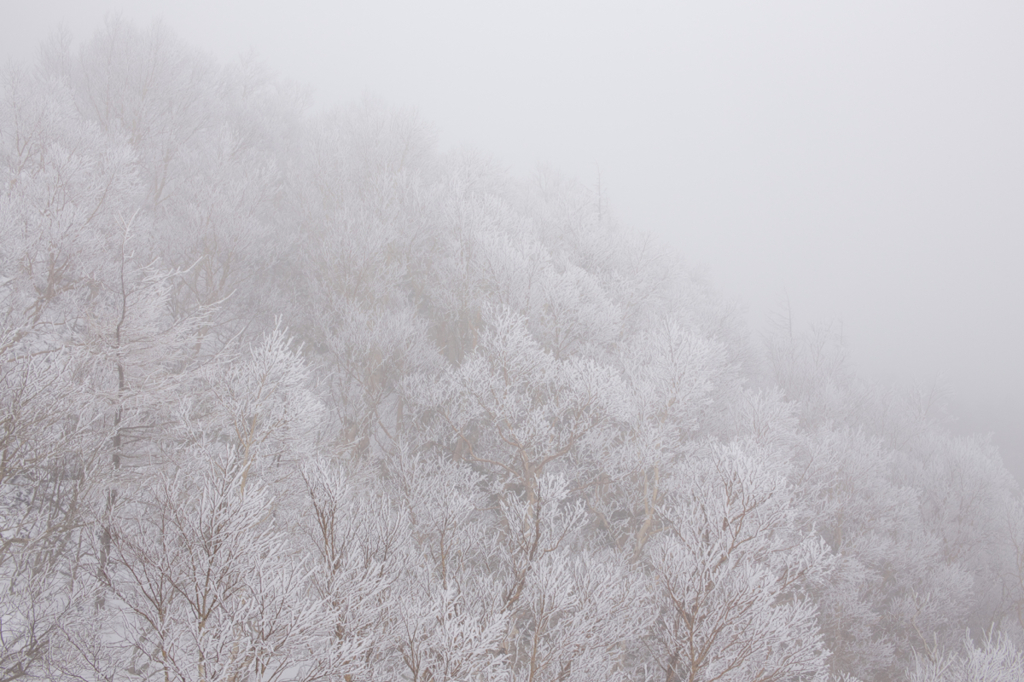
862	159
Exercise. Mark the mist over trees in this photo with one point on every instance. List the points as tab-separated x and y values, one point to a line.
297	397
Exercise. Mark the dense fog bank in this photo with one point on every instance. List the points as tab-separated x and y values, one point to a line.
293	396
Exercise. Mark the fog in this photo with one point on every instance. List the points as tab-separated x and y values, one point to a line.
853	162
314	364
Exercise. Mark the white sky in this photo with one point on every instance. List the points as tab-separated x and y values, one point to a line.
863	159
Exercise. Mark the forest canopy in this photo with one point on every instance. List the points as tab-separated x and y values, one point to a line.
295	396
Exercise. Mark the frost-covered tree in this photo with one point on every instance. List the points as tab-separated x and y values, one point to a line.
205	585
88	350
729	574
996	659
